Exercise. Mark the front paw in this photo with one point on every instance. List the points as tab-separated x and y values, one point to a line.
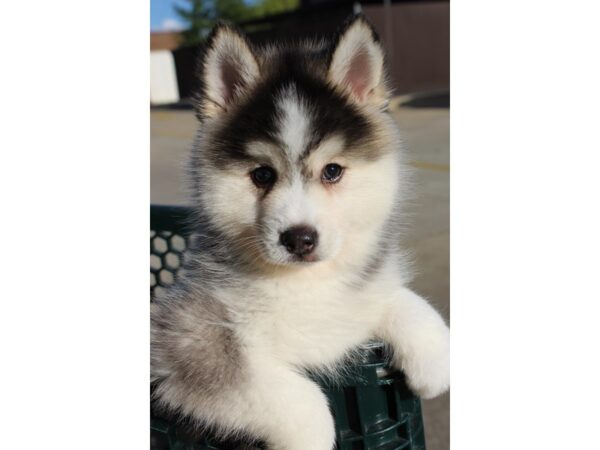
427	364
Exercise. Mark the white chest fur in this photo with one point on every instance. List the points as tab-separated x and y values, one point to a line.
310	322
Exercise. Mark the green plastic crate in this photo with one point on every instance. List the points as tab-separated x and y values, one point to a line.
372	406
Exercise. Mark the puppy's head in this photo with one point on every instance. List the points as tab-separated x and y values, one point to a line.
296	160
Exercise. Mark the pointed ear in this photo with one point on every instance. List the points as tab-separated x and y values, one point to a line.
357	62
228	69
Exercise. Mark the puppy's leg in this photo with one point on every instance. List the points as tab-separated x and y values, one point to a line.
420	341
285	409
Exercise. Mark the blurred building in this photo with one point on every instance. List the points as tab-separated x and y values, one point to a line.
416	35
164	40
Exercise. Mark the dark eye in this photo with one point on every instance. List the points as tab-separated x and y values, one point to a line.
263	177
332	173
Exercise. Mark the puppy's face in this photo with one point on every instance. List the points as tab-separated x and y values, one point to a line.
296	157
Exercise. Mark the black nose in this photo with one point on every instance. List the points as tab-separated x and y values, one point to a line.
300	240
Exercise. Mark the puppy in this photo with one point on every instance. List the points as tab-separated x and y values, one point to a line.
297	182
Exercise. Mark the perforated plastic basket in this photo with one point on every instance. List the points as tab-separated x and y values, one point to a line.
372	407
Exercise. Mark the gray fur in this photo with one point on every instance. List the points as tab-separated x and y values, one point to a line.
192	345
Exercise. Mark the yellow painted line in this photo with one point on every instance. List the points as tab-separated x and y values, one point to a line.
430	166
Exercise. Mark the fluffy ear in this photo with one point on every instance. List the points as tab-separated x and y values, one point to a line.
357	62
228	69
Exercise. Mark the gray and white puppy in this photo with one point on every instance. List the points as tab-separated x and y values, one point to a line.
297	184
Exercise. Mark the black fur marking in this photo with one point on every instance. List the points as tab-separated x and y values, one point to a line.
256	117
